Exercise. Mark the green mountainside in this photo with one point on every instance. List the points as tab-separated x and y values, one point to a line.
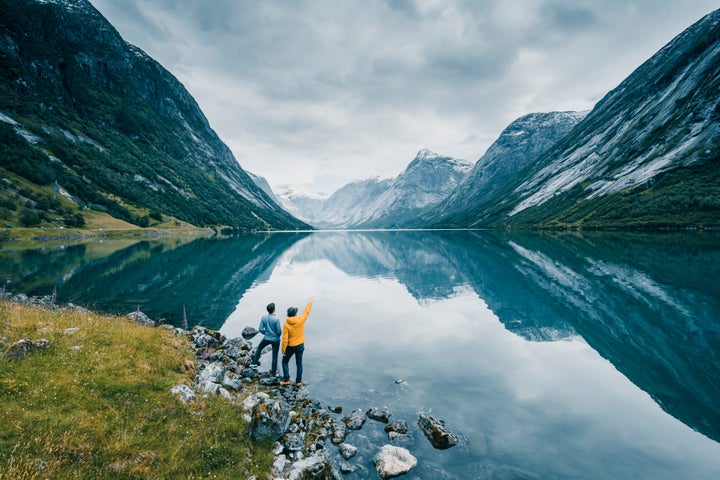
90	123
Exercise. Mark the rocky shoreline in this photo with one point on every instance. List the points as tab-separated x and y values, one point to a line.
310	436
312	440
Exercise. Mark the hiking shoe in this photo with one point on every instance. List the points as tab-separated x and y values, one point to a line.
298	384
285	382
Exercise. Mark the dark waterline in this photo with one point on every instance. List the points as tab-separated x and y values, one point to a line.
588	356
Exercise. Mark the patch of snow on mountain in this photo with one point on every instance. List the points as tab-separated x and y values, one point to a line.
568	175
31	138
7	119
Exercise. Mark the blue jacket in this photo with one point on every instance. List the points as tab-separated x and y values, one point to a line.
270	327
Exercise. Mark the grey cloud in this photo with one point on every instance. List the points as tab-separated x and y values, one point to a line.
566	17
369	83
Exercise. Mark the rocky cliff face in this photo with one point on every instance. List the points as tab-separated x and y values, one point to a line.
662	120
517	147
647	155
111	125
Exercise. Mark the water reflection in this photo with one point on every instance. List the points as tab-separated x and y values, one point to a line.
459	313
645	302
206	275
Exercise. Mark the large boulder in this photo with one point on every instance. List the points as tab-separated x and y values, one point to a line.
269	419
392	461
436	432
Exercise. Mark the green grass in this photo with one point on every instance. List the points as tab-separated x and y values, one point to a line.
105	410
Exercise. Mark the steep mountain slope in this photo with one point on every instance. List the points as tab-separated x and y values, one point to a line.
521	143
81	107
263	184
648	155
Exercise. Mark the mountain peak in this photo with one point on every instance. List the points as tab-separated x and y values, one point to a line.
427	158
426	154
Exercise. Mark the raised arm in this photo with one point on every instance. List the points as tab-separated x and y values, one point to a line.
306	312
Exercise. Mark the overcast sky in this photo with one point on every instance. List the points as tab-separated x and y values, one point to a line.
316	94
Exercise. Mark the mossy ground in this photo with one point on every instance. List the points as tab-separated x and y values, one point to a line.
97	404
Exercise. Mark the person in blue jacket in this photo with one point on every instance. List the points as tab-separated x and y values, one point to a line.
272	330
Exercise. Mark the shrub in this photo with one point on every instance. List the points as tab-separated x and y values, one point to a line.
29	218
142	222
74	220
7	203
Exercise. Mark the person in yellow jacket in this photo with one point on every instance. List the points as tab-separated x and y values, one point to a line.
293	343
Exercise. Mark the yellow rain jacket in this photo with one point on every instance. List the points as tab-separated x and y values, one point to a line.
294	329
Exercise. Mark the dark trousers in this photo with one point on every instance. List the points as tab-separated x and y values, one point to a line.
275	349
297	350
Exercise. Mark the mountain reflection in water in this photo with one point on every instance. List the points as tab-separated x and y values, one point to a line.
644	302
649	304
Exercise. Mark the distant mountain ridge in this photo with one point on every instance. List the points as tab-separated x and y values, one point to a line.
386	203
81	107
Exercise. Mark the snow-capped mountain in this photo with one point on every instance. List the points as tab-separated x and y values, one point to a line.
520	144
426	182
384	203
302	203
647	155
350	205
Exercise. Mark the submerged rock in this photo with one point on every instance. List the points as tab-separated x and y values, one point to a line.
347	451
436	432
397	432
392	461
398	426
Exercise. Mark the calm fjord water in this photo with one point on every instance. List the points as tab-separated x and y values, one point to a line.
592	356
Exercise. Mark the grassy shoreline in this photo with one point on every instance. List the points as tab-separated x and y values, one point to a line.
47	234
97	404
